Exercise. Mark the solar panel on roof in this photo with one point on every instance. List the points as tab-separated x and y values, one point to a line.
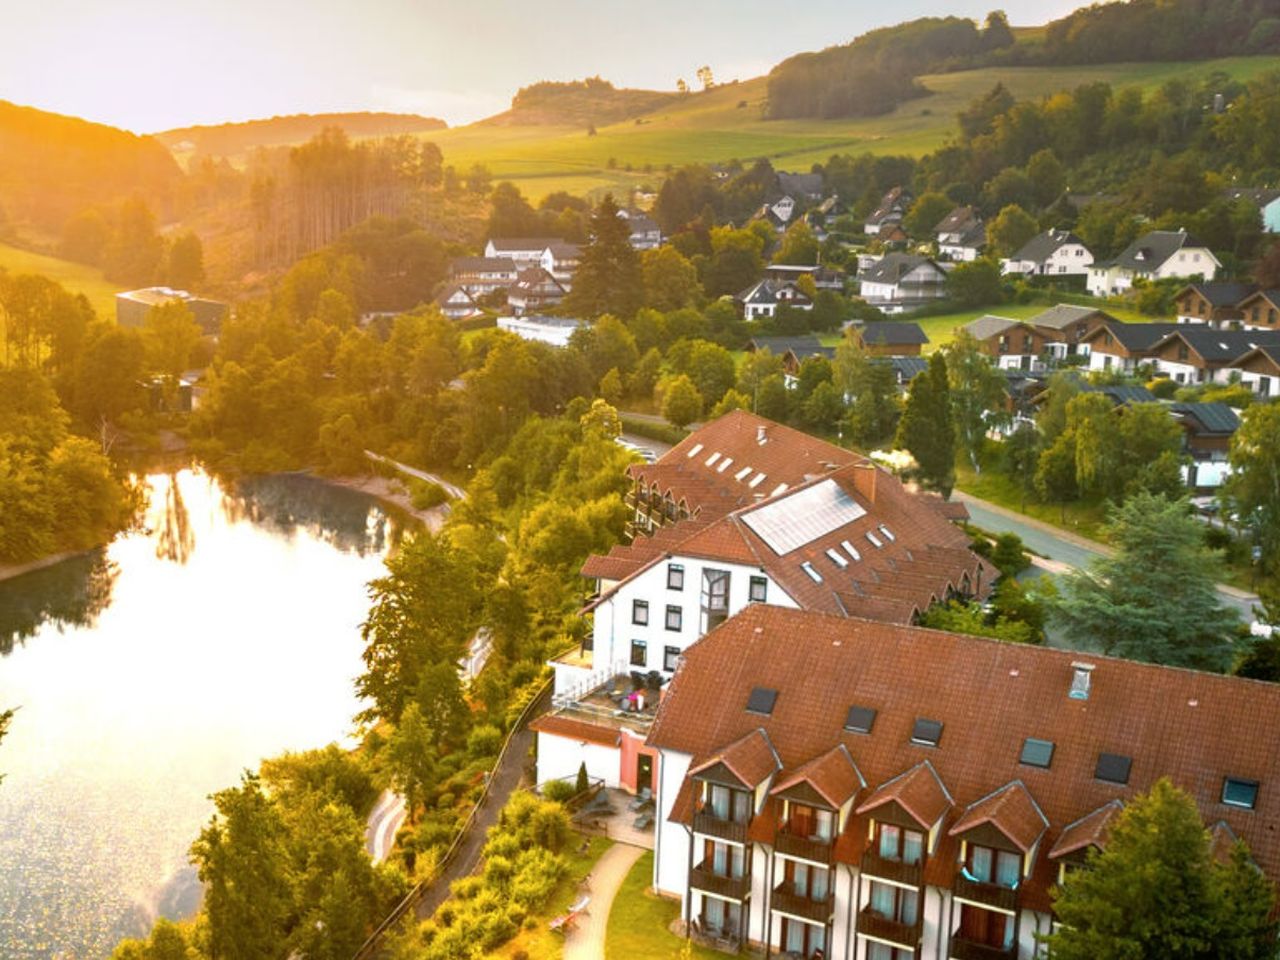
1036	753
926	732
803	517
1113	768
762	700
859	719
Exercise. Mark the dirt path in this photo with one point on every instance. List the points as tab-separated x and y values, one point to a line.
586	940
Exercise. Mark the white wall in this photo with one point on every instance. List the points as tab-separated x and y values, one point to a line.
560	757
671	840
1179	372
1188	263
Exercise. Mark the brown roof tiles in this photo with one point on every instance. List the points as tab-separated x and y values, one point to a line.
751	759
834	775
918	791
1012	811
1089	831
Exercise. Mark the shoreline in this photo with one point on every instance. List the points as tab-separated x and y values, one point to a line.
14	570
385	490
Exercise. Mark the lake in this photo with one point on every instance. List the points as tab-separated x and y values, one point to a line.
150	674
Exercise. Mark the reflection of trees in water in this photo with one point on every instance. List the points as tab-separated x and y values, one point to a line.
176	539
350	521
69	594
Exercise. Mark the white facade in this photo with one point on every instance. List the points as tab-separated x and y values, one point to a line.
1110	279
532	255
1069	260
559	758
957	252
1260	383
1179	372
553	330
1099	359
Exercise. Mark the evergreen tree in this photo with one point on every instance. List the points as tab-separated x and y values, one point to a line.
608	279
927	429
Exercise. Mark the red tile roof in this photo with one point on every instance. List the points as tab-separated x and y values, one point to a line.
834	775
1012	811
918	792
751	759
1089	831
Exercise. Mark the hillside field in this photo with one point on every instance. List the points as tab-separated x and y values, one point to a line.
726	124
76	277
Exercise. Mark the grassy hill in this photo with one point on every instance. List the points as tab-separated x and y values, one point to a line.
728	123
75	277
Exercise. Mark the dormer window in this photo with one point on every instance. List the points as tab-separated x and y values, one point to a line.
1240	793
986	865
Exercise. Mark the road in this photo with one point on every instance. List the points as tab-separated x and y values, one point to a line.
385	819
455	492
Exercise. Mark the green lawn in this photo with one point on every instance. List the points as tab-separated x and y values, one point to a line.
1084	518
541	943
75	277
639	922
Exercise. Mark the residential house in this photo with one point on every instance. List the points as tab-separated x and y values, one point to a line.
1064	327
961	236
553	330
1114	345
1011	344
835	787
893	207
1054	253
1266	201
561	260
763	298
1260	310
535	290
823	217
1216	304
793	351
132	307
905	369
481	276
456	303
777	213
902	281
1259	370
747	512
807	186
645	232
1199	354
1159	255
891	338
824	278
1207	432
525	251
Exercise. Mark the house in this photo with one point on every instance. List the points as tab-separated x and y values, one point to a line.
789	521
1199	354
535	290
1216	304
1054	253
793	351
893	207
1114	345
902	281
891	338
837	787
645	232
480	276
1159	255
553	330
961	236
823	217
132	307
561	260
1260	310
456	303
905	369
1259	370
1065	325
824	278
807	186
1266	201
525	251
763	298
1207	431
1011	344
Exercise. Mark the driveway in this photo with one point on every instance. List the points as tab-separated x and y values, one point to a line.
586	940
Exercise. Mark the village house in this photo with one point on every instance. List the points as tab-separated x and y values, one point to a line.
1266	201
836	787
524	251
744	511
823	217
777	213
893	207
561	260
481	276
1216	304
1260	310
763	298
645	232
1159	255
1064	328
535	290
824	278
890	338
555	331
898	282
1011	344
1054	253
1198	354
1114	345
961	236
456	303
807	186
1207	432
793	351
1259	370
132	307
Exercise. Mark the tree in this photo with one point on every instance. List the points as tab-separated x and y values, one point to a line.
799	245
681	402
602	419
170	335
927	428
929	210
1010	231
1153	891
185	270
709	365
608	279
705	78
1122	603
670	280
1255	479
1047	176
873	415
132	256
975	284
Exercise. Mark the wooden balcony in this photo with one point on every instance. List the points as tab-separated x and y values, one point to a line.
819	911
702	877
911	874
882	928
964	949
713	826
987	894
815	851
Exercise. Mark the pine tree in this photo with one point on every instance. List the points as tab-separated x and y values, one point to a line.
927	430
608	279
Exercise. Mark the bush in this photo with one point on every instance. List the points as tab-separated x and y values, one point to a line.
426	495
558	790
654	431
1009	555
1163	388
484	741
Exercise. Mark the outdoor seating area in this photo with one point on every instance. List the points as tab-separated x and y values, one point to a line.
619	816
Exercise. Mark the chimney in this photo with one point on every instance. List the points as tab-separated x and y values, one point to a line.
760	435
1081	680
864	480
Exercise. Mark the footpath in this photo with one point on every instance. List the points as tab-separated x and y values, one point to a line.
586	940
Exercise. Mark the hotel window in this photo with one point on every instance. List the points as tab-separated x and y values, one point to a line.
675	576
879	950
895	903
639	653
899	845
715	598
669	657
640	612
999	867
759	589
675	618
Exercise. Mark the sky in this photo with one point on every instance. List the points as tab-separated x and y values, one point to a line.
151	65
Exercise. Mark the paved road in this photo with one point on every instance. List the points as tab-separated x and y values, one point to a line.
384	820
586	940
454	491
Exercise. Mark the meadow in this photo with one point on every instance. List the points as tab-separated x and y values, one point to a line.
76	277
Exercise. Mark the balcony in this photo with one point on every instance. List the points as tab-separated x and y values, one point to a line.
793	845
872	924
987	894
964	949
713	826
702	877
911	874
818	911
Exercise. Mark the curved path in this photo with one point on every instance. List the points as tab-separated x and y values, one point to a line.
385	819
453	490
586	940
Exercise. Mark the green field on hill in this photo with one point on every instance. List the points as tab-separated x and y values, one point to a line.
727	123
76	277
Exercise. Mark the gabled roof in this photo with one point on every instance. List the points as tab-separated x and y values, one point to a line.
1131	336
892	206
1219	346
1044	245
807	184
1150	251
833	775
1213	418
918	791
1065	314
561	250
1271	296
800	346
1121	394
892	267
524	244
892	333
1221	293
1258	196
482	265
990	325
751	759
959	220
452	290
1089	831
1011	810
1270	352
906	368
769	291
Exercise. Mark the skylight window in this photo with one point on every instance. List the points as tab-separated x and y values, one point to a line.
926	733
1240	793
860	719
837	559
756	481
851	550
875	541
713	458
1113	768
694	451
761	701
724	464
780	488
886	533
741	473
814	575
1037	753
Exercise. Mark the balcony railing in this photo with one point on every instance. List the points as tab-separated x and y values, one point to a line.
713	826
882	928
911	874
965	949
793	845
988	894
785	901
704	878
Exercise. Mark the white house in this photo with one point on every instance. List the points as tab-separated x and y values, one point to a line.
525	251
893	207
1054	253
483	275
762	299
456	303
553	330
1159	255
645	232
961	236
902	281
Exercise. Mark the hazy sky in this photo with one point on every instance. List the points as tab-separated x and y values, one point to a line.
150	65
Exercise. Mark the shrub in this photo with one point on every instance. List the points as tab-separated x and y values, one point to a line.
498	870
484	741
426	495
1163	388
1009	555
582	783
558	790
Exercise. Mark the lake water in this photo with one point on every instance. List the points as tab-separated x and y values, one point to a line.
150	674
